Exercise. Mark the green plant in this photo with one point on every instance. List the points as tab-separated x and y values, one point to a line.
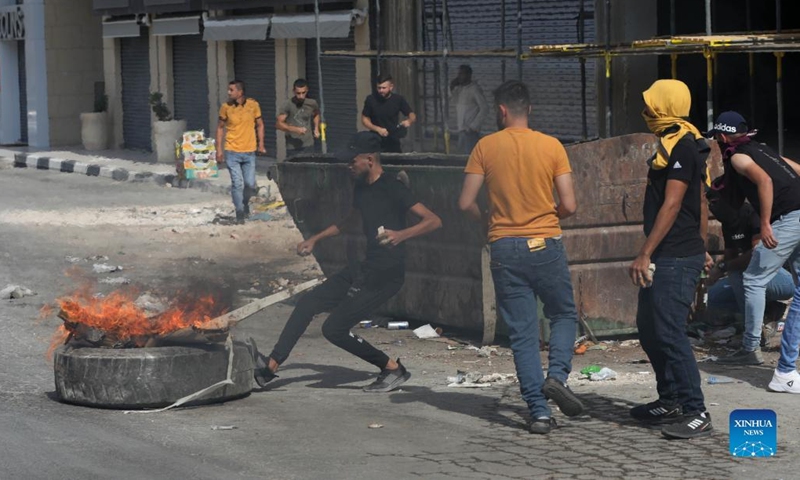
159	107
101	104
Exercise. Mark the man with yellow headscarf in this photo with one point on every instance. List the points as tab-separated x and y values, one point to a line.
669	263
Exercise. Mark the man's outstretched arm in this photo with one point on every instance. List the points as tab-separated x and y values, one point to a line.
306	247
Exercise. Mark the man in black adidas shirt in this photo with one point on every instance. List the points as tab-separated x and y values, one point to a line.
771	184
381	114
675	222
382	202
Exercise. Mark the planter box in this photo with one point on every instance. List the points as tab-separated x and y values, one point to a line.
165	134
94	130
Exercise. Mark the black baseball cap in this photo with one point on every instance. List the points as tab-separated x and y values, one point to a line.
360	143
729	123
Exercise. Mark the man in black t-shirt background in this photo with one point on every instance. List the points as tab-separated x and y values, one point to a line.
381	115
741	231
381	202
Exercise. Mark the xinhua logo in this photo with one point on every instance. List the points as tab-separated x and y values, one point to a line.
753	433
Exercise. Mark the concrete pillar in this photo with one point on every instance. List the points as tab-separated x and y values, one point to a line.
9	89
112	75
630	76
363	66
290	64
399	33
220	72
36	74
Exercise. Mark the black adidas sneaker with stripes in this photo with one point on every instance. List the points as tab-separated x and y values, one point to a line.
657	413
691	426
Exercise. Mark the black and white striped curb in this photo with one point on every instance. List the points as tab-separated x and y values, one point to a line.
23	160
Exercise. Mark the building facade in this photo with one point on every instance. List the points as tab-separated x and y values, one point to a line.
50	65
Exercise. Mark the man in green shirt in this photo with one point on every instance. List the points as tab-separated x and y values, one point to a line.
299	118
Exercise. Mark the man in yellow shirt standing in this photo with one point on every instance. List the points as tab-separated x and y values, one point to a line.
520	167
239	118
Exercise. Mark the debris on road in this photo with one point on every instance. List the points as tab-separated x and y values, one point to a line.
709	358
116	280
97	258
234	236
479	380
598	347
375	426
486	351
717	379
629	343
426	331
16	291
605	373
597	373
260	217
106	268
223	427
73	259
723	333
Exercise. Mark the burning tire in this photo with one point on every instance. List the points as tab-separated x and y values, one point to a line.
131	378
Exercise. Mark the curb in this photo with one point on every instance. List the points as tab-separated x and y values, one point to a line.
22	160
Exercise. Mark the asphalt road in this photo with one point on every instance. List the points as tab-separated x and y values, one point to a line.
313	422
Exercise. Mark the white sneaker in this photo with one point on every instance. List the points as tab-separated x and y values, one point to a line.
785	382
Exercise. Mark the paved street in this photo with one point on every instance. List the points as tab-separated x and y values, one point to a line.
312	422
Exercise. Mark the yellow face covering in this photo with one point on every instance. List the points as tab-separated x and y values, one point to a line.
668	103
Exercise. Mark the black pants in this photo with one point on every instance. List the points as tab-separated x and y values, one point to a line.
661	320
391	145
346	312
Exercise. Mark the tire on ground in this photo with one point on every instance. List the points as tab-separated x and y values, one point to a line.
133	378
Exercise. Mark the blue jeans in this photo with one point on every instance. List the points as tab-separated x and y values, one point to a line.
790	338
661	320
764	265
520	276
727	295
242	167
467	139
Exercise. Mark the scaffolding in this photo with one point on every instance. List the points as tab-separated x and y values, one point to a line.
777	42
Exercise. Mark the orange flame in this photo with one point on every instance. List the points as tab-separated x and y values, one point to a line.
118	316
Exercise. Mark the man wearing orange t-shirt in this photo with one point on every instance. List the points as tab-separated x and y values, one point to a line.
239	119
520	168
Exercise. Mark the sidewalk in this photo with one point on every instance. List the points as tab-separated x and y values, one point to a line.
128	166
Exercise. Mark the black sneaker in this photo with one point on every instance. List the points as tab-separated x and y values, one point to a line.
691	426
567	402
240	216
657	412
388	380
261	372
542	426
742	357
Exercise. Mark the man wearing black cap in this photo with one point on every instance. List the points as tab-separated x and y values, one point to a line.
770	183
382	202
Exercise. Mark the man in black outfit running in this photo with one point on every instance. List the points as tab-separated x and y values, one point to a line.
382	202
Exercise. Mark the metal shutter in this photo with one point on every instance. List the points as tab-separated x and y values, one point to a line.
254	64
555	83
23	93
338	76
190	81
136	124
